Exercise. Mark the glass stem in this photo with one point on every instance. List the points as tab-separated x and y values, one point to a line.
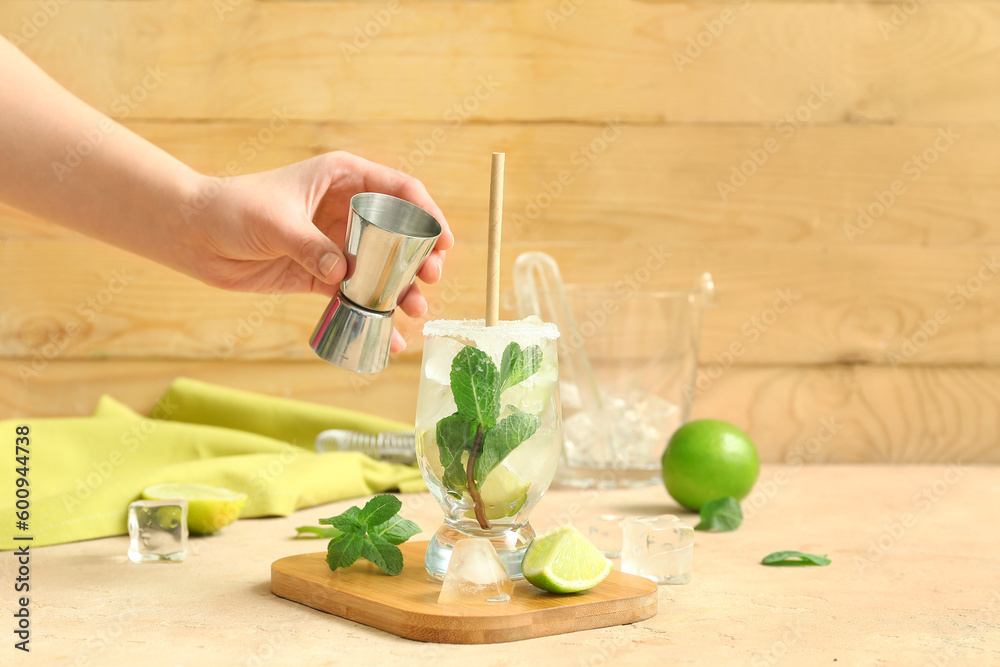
477	499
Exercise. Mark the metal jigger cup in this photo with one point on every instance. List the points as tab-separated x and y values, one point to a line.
387	240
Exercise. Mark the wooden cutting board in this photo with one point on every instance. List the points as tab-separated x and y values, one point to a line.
406	605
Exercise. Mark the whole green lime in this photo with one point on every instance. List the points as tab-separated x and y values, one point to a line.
708	459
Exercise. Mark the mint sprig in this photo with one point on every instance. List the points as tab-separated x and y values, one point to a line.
471	442
370	532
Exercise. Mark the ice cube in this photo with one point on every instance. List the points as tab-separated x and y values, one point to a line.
569	395
636	432
475	575
586	443
658	548
438	355
606	533
659	418
533	395
157	530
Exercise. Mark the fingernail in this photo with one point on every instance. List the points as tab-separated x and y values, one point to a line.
327	263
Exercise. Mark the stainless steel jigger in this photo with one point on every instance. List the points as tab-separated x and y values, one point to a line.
387	239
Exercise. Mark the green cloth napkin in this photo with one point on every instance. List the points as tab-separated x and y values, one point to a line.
296	422
84	471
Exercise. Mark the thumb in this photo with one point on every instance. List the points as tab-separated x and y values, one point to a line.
316	253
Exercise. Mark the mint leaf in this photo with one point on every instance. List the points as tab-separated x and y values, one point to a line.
317	531
351	512
379	509
721	515
347	522
517	365
502	440
455	435
474	386
344	550
385	555
395	531
371	532
794	559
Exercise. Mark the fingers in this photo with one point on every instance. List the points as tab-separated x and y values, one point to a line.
316	286
379	178
413	190
413	302
447	240
396	343
430	271
312	250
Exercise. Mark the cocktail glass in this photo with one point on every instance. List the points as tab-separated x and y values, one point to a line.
489	431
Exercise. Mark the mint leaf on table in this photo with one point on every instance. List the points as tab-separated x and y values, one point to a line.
371	532
474	385
794	559
518	365
720	515
313	532
502	440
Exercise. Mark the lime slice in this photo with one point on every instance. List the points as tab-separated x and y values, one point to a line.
564	561
209	507
504	493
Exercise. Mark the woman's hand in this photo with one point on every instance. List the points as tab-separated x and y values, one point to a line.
283	230
277	231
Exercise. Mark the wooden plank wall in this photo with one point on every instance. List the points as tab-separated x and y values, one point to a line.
847	153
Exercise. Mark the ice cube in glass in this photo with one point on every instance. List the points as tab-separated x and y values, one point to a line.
475	575
157	530
658	548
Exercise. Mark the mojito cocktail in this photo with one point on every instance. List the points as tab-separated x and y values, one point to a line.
489	431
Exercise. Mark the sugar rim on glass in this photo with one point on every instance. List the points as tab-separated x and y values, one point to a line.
477	329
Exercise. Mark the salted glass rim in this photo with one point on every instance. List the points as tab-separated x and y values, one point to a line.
507	329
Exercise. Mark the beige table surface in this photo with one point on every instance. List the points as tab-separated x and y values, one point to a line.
923	593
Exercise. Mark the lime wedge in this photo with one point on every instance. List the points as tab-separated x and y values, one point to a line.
504	493
209	507
564	561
